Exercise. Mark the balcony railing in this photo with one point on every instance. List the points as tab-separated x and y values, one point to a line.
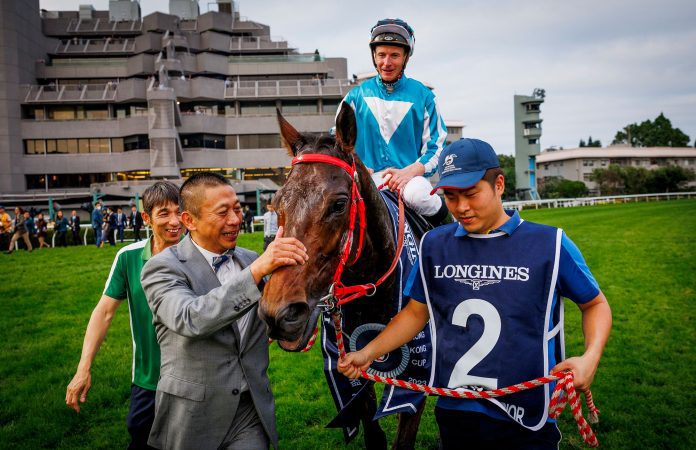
103	26
256	43
287	88
70	92
532	132
255	59
87	46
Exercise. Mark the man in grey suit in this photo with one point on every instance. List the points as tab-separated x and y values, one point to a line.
213	390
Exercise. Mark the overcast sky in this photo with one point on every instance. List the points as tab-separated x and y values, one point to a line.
603	64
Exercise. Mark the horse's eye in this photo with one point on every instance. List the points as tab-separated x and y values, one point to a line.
338	207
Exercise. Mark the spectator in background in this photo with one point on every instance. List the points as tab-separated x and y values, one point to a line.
120	223
109	226
61	229
41	225
97	223
75	227
248	219
5	227
20	231
270	225
136	222
31	228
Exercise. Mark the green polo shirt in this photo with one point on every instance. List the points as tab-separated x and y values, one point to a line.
124	283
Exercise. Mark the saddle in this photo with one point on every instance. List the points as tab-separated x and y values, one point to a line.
419	225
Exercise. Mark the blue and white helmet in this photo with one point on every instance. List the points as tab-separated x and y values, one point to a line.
393	32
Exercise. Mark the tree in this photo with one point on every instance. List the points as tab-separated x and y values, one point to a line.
616	180
609	180
669	179
507	163
657	133
590	143
558	187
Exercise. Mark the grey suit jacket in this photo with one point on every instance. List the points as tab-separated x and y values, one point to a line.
203	357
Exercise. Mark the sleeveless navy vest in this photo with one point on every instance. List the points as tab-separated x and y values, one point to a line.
493	314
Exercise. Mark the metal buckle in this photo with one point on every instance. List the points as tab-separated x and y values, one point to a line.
328	302
374	290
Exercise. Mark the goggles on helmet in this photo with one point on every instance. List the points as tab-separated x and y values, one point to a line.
393	32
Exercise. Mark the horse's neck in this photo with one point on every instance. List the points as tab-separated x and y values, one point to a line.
379	247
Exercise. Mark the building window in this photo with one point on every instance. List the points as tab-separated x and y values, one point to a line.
213	141
533	141
257	108
231	142
36	181
117	145
133	175
76	180
224	171
299	107
252	141
137	142
330	106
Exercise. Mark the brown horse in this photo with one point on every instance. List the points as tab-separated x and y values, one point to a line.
313	205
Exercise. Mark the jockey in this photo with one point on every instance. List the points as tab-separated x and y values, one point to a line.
400	130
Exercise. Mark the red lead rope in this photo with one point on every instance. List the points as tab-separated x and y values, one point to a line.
562	394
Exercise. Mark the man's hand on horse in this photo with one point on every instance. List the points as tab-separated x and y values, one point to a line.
283	251
396	179
353	363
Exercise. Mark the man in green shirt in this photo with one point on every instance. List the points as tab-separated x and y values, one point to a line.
161	211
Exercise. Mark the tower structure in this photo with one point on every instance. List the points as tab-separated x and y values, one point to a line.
527	147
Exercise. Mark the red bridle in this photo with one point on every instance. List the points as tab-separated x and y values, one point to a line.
339	294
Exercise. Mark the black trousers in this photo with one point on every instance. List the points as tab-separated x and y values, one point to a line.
61	239
141	414
469	430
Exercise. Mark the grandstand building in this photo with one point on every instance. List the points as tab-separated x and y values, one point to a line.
106	101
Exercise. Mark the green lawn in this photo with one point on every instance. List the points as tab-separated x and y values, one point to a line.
643	255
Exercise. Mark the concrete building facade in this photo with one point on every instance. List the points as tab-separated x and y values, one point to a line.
88	99
577	164
106	101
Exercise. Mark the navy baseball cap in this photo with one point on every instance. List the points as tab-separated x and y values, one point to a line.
463	163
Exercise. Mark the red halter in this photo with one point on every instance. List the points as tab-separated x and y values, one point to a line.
338	291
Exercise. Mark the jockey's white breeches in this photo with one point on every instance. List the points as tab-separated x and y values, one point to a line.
416	194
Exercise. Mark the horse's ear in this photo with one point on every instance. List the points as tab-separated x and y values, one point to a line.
346	129
292	139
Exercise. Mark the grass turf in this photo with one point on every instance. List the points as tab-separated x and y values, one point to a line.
642	254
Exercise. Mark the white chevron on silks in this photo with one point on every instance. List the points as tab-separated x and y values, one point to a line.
389	114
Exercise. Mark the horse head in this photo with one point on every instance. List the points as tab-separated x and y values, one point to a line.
314	206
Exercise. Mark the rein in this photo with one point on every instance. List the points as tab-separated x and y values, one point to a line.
340	294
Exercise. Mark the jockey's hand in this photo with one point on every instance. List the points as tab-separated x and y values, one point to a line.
396	179
283	251
353	363
583	368
77	390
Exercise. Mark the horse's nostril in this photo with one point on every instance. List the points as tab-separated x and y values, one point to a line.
296	311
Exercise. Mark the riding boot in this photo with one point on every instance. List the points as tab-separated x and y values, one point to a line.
441	217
